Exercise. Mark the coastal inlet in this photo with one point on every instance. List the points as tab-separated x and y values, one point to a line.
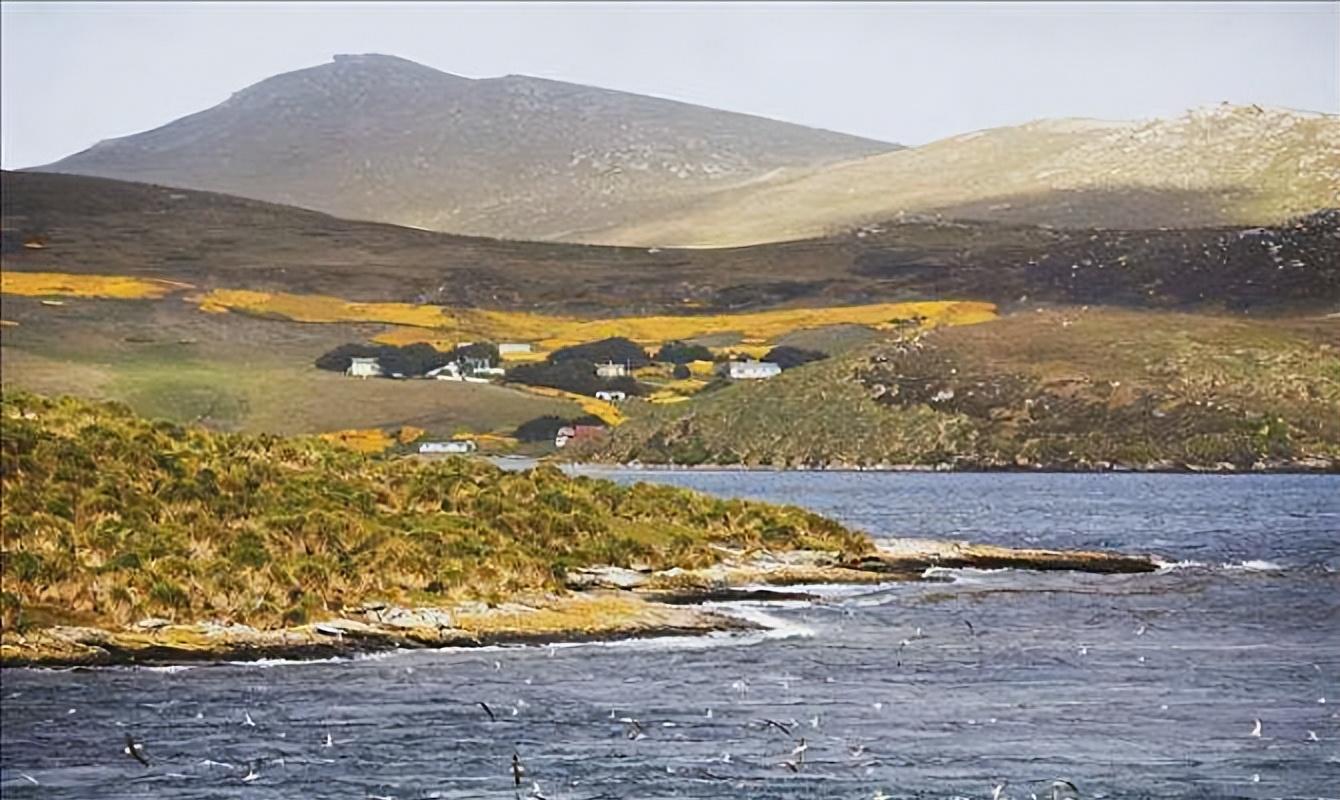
1132	685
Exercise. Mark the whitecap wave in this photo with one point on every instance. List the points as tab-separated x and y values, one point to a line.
1254	565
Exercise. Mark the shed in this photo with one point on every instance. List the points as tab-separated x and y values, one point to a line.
752	370
453	446
364	367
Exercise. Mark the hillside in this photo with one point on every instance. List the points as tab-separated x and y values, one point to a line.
214	241
109	517
1064	389
1226	165
381	138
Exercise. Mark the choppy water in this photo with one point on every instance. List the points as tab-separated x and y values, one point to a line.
1129	686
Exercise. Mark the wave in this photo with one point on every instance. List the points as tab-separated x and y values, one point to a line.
1249	565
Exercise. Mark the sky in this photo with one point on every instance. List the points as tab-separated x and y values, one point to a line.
72	74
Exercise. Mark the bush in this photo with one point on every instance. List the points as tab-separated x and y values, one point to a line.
681	372
573	376
678	352
616	349
789	357
414	359
544	429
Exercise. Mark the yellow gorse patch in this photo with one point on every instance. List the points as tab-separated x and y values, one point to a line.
323	308
444	327
553	332
66	284
370	440
606	412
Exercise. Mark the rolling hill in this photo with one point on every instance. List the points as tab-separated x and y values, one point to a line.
251	369
381	138
1225	165
215	241
1068	389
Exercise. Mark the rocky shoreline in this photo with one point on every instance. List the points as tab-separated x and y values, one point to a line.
605	603
1303	466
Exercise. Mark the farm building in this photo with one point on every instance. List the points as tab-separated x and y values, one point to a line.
611	370
447	372
513	348
576	433
453	446
752	370
364	368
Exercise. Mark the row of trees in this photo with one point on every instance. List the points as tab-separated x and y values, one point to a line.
410	360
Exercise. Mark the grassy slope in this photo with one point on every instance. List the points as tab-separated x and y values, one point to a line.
1229	165
95	226
166	359
1062	388
108	517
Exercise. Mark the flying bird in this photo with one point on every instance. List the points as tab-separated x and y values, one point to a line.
517	770
251	775
1256	729
488	711
997	791
246	719
772	723
1064	790
799	750
135	750
632	728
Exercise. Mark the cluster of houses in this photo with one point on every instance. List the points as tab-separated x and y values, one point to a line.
472	370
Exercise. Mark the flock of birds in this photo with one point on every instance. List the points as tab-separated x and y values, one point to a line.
792	757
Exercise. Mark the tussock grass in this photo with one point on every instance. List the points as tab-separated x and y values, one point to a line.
108	517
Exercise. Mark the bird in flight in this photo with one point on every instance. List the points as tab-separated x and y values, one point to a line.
135	750
517	770
772	723
1256	729
632	728
1064	790
488	711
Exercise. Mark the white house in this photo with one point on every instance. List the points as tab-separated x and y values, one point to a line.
450	371
752	370
364	368
453	446
496	372
611	397
512	348
564	435
611	370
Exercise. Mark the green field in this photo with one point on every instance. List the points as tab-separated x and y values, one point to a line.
171	361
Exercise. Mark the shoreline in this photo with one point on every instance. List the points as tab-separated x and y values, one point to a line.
1303	467
604	604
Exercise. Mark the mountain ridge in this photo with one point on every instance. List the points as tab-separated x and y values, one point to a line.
386	139
1216	165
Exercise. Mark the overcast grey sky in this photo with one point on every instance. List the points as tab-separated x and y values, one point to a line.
908	72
